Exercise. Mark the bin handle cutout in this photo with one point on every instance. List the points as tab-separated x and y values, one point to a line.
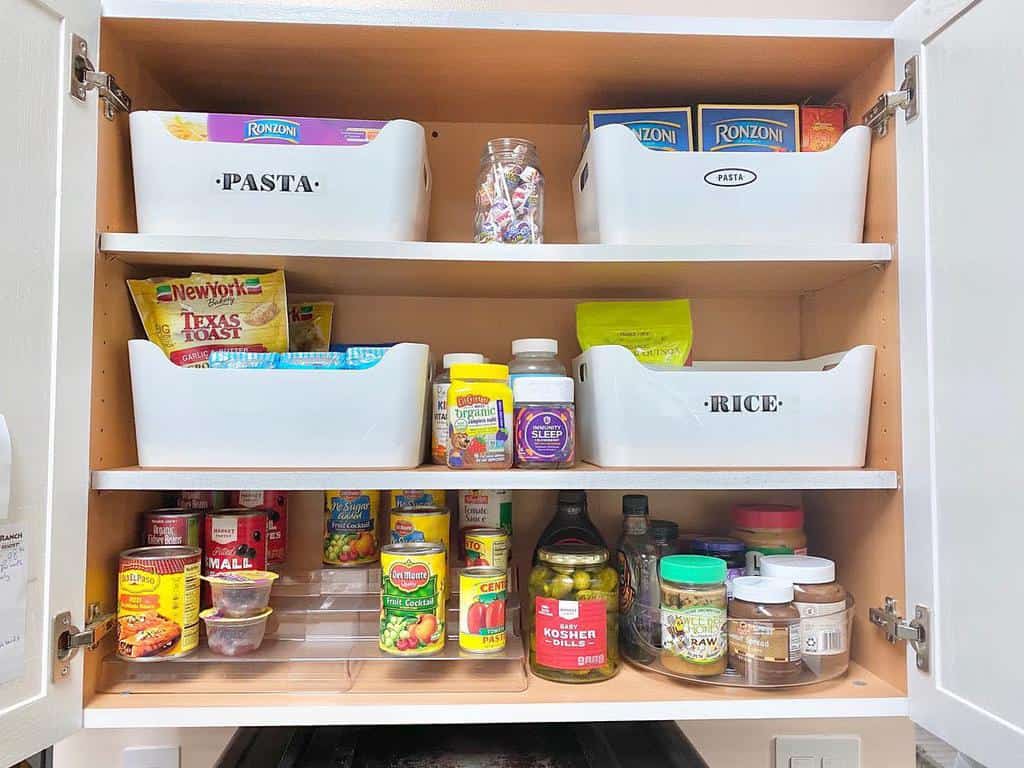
584	175
5	468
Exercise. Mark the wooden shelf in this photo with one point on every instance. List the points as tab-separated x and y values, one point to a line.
632	695
551	270
585	477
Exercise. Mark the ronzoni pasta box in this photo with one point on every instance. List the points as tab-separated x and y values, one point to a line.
189	317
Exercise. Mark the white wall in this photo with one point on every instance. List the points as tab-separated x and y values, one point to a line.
200	747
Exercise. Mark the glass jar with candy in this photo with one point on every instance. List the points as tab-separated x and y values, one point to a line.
509	194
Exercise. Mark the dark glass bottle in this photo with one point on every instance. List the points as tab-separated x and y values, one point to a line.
571	523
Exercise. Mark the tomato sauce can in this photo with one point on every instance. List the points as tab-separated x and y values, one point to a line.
482	596
350	528
487	547
236	540
276	505
158	603
172	527
412	598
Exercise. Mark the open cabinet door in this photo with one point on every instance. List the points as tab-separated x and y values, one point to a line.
47	235
962	315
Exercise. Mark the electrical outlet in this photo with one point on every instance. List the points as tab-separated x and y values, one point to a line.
817	752
151	757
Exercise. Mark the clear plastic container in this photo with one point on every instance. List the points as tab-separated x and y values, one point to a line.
535	357
234	637
693	614
240	594
439	401
545	422
510	194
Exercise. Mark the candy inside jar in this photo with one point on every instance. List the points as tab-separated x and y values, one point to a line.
510	194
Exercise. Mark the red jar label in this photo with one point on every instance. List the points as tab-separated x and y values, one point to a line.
235	542
276	505
571	634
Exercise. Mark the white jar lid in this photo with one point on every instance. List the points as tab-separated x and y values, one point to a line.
762	589
799	569
543	389
461	358
535	345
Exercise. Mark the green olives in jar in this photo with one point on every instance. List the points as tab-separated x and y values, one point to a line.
573	619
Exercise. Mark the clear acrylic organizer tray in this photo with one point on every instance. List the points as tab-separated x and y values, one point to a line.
815	668
322	638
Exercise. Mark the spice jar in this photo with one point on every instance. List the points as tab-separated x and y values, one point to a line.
822	603
769	529
693	614
439	401
479	417
733	551
545	422
764	631
574	614
510	194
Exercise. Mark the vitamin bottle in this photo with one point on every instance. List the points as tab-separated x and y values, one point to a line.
480	418
535	357
439	415
545	422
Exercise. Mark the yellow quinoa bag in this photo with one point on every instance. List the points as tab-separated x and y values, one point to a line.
189	317
659	333
309	326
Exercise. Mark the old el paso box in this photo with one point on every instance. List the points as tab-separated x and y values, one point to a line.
748	128
667	129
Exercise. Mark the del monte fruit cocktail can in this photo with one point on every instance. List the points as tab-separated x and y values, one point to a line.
412	604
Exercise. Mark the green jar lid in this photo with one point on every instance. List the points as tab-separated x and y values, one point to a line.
693	569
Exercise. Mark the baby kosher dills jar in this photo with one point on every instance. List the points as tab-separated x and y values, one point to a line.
574	614
412	604
235	540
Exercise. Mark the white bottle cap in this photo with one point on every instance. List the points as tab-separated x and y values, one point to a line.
461	358
761	589
535	345
543	389
799	569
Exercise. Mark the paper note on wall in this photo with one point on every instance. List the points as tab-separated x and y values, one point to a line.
13	586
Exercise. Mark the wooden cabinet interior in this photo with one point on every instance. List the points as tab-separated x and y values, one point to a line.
452	82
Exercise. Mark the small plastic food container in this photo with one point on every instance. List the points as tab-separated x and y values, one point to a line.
240	594
234	637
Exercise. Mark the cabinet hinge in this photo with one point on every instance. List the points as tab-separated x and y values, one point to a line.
67	638
85	78
915	631
906	98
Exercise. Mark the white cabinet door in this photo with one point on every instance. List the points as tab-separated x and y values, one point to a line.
962	317
47	233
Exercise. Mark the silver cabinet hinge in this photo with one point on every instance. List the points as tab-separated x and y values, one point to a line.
915	631
906	98
85	78
67	638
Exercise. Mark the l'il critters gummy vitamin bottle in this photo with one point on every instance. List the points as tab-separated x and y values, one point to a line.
480	417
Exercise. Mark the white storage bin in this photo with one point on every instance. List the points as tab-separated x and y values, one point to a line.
377	191
627	193
808	413
203	417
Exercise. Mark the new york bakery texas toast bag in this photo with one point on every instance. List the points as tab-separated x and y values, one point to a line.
189	317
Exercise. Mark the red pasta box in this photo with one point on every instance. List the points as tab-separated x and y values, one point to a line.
821	127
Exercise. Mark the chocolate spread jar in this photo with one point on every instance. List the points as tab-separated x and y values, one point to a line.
764	631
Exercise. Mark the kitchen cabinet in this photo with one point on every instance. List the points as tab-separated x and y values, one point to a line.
929	521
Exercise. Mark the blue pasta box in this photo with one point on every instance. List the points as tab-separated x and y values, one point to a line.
748	128
667	129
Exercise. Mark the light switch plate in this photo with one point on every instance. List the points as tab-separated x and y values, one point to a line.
823	751
151	757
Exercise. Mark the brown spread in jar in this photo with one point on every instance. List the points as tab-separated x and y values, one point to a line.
764	631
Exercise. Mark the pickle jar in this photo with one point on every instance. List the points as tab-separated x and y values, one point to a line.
694	603
574	614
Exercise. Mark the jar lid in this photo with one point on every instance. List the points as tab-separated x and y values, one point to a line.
543	389
479	371
573	554
762	589
535	345
693	569
663	531
634	505
768	516
799	569
713	545
453	358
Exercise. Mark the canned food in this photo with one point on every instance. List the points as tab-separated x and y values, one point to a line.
430	523
350	527
236	540
158	602
204	501
487	547
482	595
412	604
276	505
172	527
485	509
406	499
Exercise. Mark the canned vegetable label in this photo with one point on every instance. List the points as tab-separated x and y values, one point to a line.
158	602
412	610
487	546
485	509
406	499
236	540
276	505
172	527
482	596
350	527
